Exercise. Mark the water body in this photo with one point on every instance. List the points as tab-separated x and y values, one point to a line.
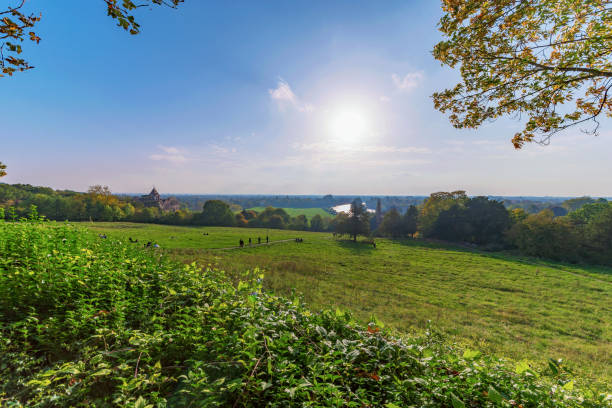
346	208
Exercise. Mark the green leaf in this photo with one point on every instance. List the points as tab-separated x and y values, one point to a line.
521	367
553	367
470	354
457	403
105	371
428	353
494	395
142	403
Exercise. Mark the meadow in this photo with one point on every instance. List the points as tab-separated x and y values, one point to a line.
87	321
515	307
294	212
193	238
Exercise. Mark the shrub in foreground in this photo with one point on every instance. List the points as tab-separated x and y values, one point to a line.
86	321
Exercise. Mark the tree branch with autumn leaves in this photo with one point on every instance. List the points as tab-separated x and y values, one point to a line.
546	62
17	26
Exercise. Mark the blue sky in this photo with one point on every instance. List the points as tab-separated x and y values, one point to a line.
288	97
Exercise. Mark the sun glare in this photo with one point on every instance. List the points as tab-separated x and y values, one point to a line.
349	126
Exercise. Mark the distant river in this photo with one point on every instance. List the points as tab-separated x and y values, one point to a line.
346	208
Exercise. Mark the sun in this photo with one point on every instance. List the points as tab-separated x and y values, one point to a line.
349	126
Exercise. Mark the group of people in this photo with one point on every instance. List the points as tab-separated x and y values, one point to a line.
241	242
149	244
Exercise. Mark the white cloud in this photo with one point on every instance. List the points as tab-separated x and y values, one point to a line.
285	97
384	99
168	149
170	154
410	81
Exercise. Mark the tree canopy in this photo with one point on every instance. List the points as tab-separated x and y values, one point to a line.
17	26
548	62
216	212
2	169
357	222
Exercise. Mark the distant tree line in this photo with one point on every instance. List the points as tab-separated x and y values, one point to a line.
195	202
99	204
582	234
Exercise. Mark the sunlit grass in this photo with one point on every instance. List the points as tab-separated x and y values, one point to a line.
516	307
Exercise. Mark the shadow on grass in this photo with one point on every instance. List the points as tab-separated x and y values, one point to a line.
359	247
506	255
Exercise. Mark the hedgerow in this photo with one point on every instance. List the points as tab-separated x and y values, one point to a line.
86	321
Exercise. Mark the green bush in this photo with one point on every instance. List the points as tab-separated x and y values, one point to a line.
87	321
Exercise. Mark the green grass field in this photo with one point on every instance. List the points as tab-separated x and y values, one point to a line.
191	238
519	308
293	212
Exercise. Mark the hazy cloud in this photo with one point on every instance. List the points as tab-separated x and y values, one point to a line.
408	82
285	97
321	147
170	154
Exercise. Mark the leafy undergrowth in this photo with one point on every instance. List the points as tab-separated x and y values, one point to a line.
86	321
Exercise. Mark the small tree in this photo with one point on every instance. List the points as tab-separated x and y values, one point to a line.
316	223
358	221
2	169
241	221
391	225
435	204
102	194
378	216
599	235
275	221
299	223
410	221
216	212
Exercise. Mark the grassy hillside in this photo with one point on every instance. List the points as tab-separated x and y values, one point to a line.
293	212
515	307
95	322
176	237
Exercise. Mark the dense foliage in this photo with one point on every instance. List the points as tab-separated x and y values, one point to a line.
583	235
94	322
99	204
549	61
397	226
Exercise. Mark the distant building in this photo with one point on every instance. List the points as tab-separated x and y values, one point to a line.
153	199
